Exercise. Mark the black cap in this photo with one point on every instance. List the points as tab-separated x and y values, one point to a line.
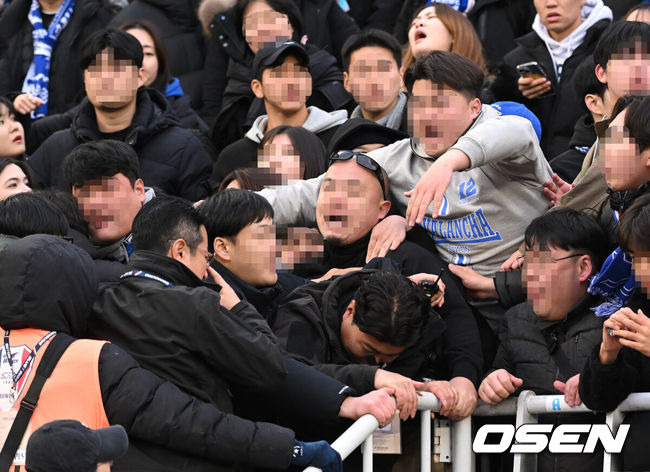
69	446
358	131
274	56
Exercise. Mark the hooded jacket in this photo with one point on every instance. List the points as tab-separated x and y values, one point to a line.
309	327
17	50
560	109
461	341
243	153
171	158
49	284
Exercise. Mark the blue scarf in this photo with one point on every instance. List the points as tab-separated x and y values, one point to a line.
37	80
614	282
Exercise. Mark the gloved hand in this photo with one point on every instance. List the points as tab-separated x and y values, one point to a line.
318	454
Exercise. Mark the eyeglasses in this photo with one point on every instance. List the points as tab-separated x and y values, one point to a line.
209	257
551	260
364	161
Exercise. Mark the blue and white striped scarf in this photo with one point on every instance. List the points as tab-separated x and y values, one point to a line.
37	80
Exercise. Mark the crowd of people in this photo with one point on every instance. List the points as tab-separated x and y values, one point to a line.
229	228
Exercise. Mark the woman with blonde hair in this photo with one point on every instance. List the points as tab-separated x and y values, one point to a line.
441	28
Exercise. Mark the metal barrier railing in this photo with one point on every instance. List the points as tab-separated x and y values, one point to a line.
525	408
361	433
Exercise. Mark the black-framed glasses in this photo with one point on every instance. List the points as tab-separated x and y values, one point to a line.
551	260
364	161
209	256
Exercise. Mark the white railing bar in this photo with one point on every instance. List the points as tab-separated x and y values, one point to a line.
367	454
356	434
507	407
425	441
635	402
543	404
461	437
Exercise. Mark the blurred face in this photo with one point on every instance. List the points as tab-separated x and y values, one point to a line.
560	17
360	345
627	72
262	26
109	206
12	135
12	181
555	281
303	245
350	203
427	33
252	254
197	258
281	158
150	59
624	166
373	78
438	116
285	87
111	84
641	270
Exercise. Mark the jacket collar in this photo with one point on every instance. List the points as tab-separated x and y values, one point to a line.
166	268
259	297
152	114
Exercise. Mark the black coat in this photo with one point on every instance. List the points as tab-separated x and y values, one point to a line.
17	50
183	334
568	164
461	340
308	324
377	14
171	158
159	417
560	109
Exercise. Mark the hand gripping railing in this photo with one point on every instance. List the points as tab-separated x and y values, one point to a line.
361	433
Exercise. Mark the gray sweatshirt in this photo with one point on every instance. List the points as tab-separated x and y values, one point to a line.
485	209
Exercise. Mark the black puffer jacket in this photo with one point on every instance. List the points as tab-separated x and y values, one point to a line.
524	352
47	283
171	158
228	101
376	14
559	110
308	324
17	50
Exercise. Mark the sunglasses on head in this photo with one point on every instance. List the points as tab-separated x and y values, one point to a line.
364	161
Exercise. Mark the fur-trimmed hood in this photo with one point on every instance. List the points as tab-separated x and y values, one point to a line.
209	8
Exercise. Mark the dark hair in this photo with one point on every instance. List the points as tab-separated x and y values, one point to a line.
286	7
125	47
162	221
465	40
585	81
245	177
230	211
447	69
370	37
9	104
635	225
101	159
23	166
67	203
637	118
163	75
618	36
569	230
308	146
643	6
391	308
28	213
